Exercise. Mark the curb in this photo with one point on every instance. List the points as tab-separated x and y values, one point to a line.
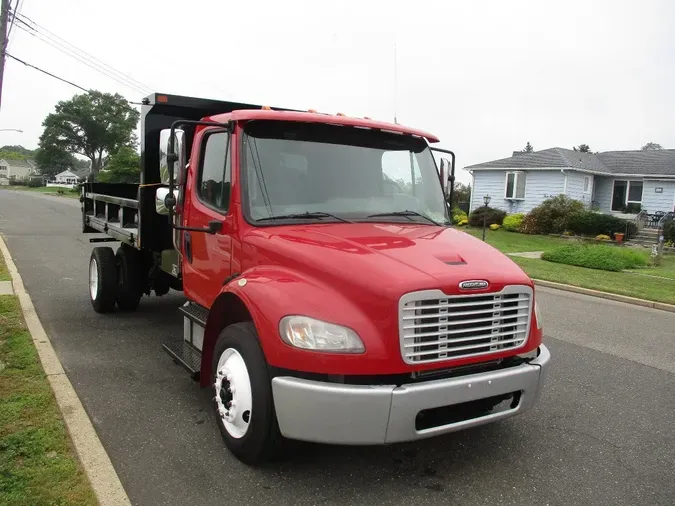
606	295
95	461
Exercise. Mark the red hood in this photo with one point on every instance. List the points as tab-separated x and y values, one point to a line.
389	258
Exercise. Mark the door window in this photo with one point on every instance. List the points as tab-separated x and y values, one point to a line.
215	174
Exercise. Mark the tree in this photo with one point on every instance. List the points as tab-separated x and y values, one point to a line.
528	148
462	192
92	124
27	153
582	148
124	166
651	146
51	160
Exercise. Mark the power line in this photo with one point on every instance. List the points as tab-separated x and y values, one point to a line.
86	60
45	72
80	59
57	77
85	54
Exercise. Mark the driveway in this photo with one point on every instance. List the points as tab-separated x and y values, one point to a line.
603	432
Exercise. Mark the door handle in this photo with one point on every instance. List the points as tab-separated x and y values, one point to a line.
187	238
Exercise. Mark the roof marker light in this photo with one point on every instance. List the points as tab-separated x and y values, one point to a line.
162	99
366	117
266	108
311	110
340	114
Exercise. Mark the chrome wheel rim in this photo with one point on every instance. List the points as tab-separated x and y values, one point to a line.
233	398
93	279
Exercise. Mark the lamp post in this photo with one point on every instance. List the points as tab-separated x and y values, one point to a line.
486	199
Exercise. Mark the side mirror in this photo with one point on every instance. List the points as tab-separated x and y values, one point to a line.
180	152
161	203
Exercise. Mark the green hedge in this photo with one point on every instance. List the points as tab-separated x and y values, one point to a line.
493	216
592	224
603	257
550	217
669	230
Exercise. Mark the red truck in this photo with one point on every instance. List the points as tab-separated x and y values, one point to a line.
329	298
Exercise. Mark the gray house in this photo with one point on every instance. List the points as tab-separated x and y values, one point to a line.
616	182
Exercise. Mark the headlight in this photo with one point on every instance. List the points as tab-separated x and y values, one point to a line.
311	334
537	314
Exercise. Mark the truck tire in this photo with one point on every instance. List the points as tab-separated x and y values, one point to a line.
102	279
129	271
249	426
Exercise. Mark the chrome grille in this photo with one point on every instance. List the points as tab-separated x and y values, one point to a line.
435	327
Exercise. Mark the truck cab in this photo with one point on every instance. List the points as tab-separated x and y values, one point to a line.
328	297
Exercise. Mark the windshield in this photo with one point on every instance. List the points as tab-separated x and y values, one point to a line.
321	172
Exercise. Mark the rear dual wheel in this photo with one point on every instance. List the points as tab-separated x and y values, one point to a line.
115	279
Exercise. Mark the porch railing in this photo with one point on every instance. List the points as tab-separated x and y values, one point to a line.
641	220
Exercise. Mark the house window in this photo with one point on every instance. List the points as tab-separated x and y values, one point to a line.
515	185
635	192
587	184
627	196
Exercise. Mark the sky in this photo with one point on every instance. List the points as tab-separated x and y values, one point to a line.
486	77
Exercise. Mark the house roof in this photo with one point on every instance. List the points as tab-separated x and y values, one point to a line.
18	163
661	162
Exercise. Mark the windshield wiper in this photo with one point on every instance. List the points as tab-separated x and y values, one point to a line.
304	216
406	214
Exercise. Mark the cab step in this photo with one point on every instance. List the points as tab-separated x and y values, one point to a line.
188	350
185	354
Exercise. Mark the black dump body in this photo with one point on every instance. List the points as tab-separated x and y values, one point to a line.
127	211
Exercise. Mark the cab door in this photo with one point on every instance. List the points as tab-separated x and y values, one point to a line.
207	257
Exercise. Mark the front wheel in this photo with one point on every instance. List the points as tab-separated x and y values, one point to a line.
243	396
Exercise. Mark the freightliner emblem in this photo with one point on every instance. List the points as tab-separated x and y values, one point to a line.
474	284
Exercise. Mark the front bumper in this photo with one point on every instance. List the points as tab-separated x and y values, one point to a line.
377	414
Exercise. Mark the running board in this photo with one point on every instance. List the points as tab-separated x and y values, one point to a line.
185	354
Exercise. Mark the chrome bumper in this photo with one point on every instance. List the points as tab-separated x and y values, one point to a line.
378	414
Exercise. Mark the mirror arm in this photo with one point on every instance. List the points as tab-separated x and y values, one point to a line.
451	176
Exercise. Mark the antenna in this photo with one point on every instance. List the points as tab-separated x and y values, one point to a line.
395	81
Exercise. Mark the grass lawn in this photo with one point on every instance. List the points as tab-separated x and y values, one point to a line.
37	463
622	283
73	194
665	270
513	242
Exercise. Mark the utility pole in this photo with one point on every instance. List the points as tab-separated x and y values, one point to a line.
4	18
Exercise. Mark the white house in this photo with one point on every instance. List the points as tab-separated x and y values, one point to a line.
613	182
66	177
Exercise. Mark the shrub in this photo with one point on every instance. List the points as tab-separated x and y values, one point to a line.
603	237
550	217
35	182
568	233
669	230
493	216
600	256
458	215
592	224
529	225
494	226
463	223
513	222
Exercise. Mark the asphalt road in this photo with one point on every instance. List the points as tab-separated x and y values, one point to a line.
603	432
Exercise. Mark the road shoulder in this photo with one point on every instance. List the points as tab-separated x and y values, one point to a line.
93	457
